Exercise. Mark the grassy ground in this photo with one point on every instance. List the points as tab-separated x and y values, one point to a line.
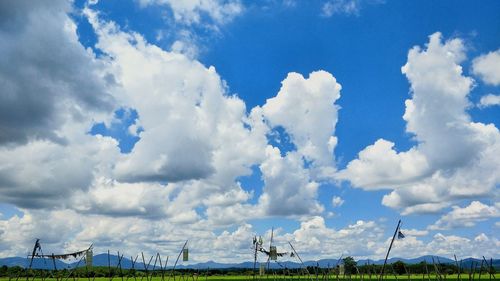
464	277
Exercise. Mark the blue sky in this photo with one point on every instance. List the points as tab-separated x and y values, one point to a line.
194	119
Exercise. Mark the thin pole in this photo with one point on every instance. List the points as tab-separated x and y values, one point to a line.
389	250
146	267
436	268
177	260
427	271
144	264
461	265
161	268
120	264
55	267
37	244
439	265
154	266
255	256
269	257
297	254
133	266
86	267
165	267
458	267
491	268
109	266
472	269
480	269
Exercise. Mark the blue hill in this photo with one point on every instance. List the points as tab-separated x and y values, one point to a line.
126	262
38	263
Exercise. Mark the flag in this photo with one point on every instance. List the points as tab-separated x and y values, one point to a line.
273	253
400	235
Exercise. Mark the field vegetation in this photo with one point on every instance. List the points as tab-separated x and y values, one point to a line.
348	270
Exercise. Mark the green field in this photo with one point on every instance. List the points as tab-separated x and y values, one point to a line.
452	277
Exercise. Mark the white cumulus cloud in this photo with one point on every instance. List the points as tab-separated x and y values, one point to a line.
337	201
306	109
487	67
489	100
467	216
453	157
192	12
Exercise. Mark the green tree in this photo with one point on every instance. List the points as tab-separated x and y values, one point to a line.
399	267
349	265
3	270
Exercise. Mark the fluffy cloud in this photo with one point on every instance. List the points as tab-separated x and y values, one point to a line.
348	7
30	175
191	127
196	140
193	12
467	216
196	125
54	89
47	76
288	189
446	245
315	240
489	100
385	166
345	7
190	131
453	156
369	239
337	201
414	232
487	67
66	230
306	109
187	17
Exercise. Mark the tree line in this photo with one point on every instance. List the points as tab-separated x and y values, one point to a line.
348	266
402	268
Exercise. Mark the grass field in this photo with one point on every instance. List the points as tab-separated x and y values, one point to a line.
464	277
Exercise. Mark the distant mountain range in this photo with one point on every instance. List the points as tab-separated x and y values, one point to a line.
102	260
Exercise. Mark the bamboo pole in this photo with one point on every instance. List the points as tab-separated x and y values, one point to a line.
162	271
458	267
177	260
472	270
154	266
427	271
269	256
55	267
436	269
256	242
297	254
480	270
109	267
133	267
86	268
389	250
119	265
